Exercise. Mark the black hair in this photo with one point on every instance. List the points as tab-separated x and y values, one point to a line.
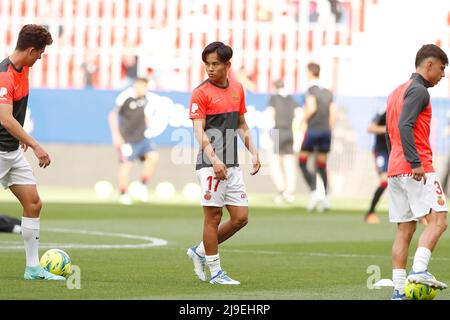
223	51
279	84
141	79
33	36
314	68
431	50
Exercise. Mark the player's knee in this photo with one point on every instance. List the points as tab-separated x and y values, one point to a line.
153	156
321	164
407	233
215	221
125	165
241	221
34	207
302	161
213	217
442	226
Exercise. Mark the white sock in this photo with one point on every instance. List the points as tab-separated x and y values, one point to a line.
30	235
421	259
17	229
201	249
399	278
213	263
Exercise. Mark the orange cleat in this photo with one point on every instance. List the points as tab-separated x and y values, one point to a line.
372	218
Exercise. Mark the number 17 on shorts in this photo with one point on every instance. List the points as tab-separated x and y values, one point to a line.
212	188
217	193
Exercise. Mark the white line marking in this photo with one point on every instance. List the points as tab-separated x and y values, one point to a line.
321	254
156	242
150	241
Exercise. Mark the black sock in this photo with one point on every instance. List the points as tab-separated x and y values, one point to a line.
323	174
310	179
376	198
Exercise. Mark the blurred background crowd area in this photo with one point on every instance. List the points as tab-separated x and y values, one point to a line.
104	44
365	49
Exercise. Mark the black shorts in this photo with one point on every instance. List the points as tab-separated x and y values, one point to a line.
381	161
317	139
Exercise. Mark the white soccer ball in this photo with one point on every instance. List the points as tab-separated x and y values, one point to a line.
192	191
138	191
165	190
103	189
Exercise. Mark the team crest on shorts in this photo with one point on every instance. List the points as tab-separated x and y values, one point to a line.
207	195
441	201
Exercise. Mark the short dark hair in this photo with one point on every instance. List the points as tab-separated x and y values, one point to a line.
223	51
431	51
279	84
141	79
314	68
33	36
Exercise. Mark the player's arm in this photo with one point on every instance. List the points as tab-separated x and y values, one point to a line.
219	167
415	101
150	110
375	128
148	122
310	107
271	111
246	137
113	120
14	128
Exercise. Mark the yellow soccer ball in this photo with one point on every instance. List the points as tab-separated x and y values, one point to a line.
56	261
416	291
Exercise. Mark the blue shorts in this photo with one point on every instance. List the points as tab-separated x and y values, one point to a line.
137	150
319	139
381	161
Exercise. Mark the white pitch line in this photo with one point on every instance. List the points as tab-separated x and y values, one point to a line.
151	241
156	242
321	254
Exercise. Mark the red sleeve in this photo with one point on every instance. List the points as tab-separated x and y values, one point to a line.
243	109
197	105
6	88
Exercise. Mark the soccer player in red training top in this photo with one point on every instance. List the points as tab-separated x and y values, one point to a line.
217	109
414	190
15	171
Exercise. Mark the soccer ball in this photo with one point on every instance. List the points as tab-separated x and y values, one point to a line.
417	291
103	189
192	191
165	190
138	191
56	261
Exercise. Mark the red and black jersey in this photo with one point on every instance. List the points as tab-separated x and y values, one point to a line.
13	91
408	120
221	107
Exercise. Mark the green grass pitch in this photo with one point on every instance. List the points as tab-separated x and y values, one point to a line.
283	253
